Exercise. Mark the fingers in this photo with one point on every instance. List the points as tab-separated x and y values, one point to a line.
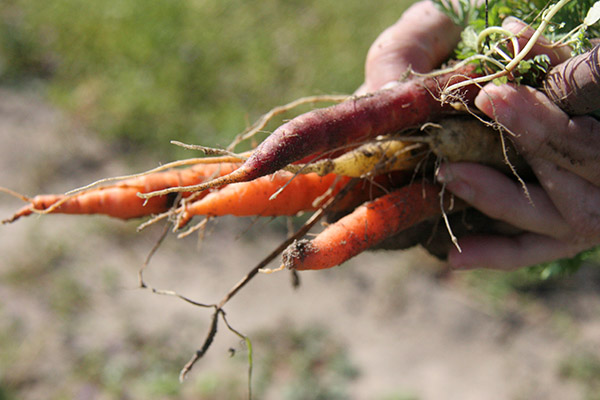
507	253
563	220
501	198
421	39
577	200
564	153
544	131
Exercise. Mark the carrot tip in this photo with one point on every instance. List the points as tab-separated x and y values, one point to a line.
182	220
25	211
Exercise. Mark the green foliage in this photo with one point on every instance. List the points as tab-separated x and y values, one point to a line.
476	14
567	266
531	284
145	73
533	70
568	21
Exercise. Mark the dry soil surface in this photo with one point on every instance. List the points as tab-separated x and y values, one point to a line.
69	289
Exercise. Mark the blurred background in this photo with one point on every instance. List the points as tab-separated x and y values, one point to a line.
96	89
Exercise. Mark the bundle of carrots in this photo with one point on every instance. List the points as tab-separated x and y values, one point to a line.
273	181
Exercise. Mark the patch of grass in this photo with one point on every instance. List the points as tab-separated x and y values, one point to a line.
567	266
498	286
213	386
143	73
303	363
585	369
17	358
6	394
62	291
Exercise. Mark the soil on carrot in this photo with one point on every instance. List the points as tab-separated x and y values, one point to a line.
73	323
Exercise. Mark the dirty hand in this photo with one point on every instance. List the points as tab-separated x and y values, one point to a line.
562	218
563	152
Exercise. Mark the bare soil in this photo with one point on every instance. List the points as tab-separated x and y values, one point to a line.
72	318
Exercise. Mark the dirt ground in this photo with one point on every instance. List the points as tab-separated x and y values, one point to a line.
73	323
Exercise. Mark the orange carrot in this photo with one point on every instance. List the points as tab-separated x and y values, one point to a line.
121	200
294	193
368	225
297	193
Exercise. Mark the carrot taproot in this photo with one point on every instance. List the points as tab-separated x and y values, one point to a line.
121	199
287	194
282	193
572	85
468	139
373	158
368	225
461	138
407	104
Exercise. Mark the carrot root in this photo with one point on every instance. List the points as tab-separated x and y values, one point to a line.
280	194
368	225
121	200
357	119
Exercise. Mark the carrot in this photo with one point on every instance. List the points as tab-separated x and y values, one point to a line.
467	139
572	85
368	225
282	193
373	158
408	104
121	200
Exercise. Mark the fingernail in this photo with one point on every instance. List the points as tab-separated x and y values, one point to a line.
453	183
513	21
444	174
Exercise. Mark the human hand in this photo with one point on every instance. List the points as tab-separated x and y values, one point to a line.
562	218
562	151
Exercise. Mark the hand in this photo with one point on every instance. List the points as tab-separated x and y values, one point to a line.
563	152
562	218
